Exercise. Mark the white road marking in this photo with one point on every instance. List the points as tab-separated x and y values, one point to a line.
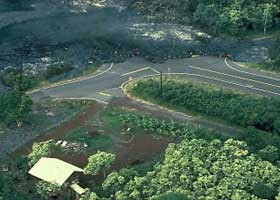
105	94
154	70
208	77
233	76
233	83
72	80
245	72
230	82
112	89
136	71
81	98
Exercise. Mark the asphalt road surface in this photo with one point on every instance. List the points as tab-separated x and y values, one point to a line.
106	84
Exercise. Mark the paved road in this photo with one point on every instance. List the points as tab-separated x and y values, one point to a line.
212	70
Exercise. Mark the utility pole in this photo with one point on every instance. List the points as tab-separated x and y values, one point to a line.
169	73
161	79
265	21
21	77
24	50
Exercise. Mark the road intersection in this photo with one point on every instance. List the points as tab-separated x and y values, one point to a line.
106	85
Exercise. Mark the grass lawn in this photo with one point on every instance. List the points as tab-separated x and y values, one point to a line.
94	141
111	120
266	66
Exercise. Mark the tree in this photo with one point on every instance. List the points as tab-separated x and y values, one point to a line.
274	52
13	180
264	191
15	107
115	181
207	170
47	190
39	150
18	79
88	195
221	16
171	196
99	161
269	153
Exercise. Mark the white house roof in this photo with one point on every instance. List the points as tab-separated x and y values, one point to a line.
53	170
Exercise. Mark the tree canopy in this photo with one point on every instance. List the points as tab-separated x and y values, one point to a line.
233	17
201	170
99	161
15	107
39	150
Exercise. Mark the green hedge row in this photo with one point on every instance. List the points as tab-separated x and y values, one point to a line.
236	108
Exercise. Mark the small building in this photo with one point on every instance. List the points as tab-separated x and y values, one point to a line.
53	170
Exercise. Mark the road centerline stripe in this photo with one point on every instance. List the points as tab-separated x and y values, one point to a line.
105	94
229	82
136	71
154	70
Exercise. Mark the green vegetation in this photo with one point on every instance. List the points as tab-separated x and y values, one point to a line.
57	69
236	108
39	150
115	181
274	63
171	196
203	170
16	107
88	195
99	161
46	190
13	78
94	141
45	116
111	120
91	69
25	79
13	181
230	17
265	65
199	167
275	54
165	128
266	145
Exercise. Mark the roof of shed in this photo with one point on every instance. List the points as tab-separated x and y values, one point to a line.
53	170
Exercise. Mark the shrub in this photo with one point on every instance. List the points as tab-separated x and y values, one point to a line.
18	80
15	107
236	108
57	69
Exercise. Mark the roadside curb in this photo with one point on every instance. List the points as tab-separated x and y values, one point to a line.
126	93
82	98
188	118
250	73
243	65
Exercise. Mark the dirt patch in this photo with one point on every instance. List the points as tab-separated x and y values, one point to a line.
139	147
58	132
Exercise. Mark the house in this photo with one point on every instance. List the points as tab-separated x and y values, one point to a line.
53	170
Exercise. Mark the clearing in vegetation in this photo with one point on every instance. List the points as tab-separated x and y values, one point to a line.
140	170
